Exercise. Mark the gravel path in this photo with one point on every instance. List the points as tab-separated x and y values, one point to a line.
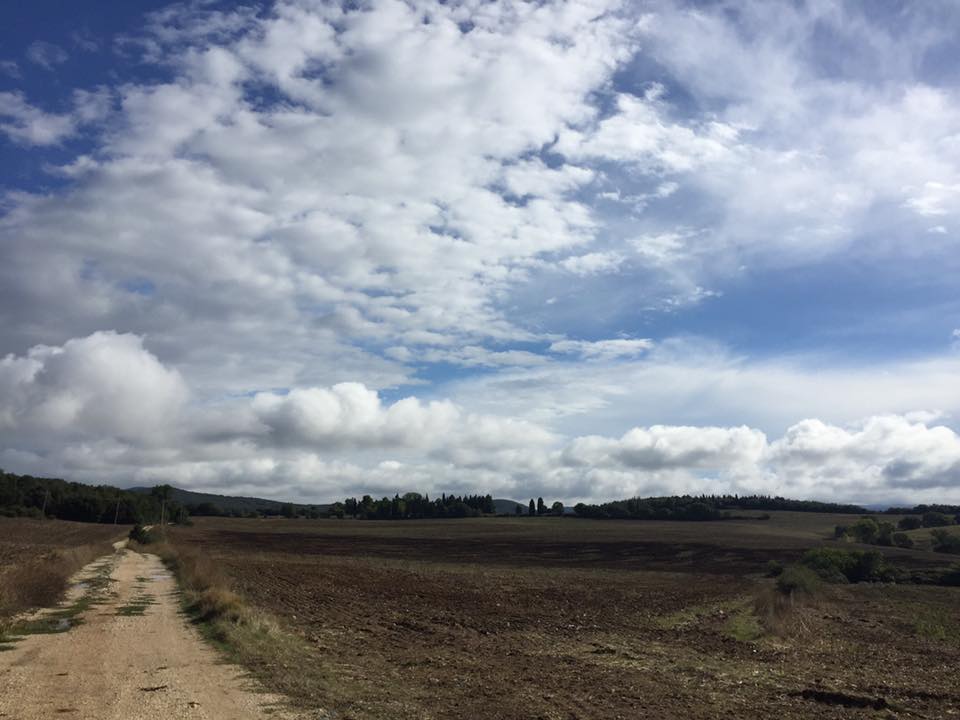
131	656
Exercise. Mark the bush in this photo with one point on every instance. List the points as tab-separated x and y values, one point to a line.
910	523
141	535
840	566
885	537
943	541
902	540
798	579
774	569
865	530
936	519
951	577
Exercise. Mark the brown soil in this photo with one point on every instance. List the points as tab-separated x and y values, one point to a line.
566	619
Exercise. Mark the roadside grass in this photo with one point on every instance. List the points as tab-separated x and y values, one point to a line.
249	637
61	619
41	581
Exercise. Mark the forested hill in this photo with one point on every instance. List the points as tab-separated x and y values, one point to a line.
25	495
210	504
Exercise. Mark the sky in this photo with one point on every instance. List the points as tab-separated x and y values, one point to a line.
584	250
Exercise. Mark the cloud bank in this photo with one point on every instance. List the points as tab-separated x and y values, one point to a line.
105	407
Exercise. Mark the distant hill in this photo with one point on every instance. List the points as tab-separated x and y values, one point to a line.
502	506
231	503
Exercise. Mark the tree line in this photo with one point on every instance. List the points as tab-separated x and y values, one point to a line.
28	496
703	507
413	505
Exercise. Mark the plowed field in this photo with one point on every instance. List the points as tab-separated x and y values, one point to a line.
563	618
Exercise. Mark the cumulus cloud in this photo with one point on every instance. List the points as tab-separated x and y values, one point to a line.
675	447
102	386
884	455
104	405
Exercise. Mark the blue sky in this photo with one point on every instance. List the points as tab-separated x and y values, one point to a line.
582	250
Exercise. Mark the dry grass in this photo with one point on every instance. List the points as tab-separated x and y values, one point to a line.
249	636
41	581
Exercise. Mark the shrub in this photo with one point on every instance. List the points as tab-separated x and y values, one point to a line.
910	522
936	519
774	569
951	577
798	579
840	532
840	566
943	541
885	536
141	535
865	530
902	540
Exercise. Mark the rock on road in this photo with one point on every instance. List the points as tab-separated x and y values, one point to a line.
127	659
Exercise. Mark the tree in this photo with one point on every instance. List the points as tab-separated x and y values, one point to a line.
865	530
518	509
943	541
533	508
163	493
910	522
557	508
541	507
936	519
902	540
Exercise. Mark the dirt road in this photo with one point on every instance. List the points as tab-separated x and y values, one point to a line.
129	655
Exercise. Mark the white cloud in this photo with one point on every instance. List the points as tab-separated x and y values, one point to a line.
29	125
883	456
46	55
10	68
934	199
104	385
677	447
603	349
597	263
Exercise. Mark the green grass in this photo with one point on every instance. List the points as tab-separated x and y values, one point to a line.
137	606
937	625
744	625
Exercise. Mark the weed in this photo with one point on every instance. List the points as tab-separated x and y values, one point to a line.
744	625
937	625
798	579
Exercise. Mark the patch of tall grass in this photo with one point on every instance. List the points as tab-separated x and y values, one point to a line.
41	581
